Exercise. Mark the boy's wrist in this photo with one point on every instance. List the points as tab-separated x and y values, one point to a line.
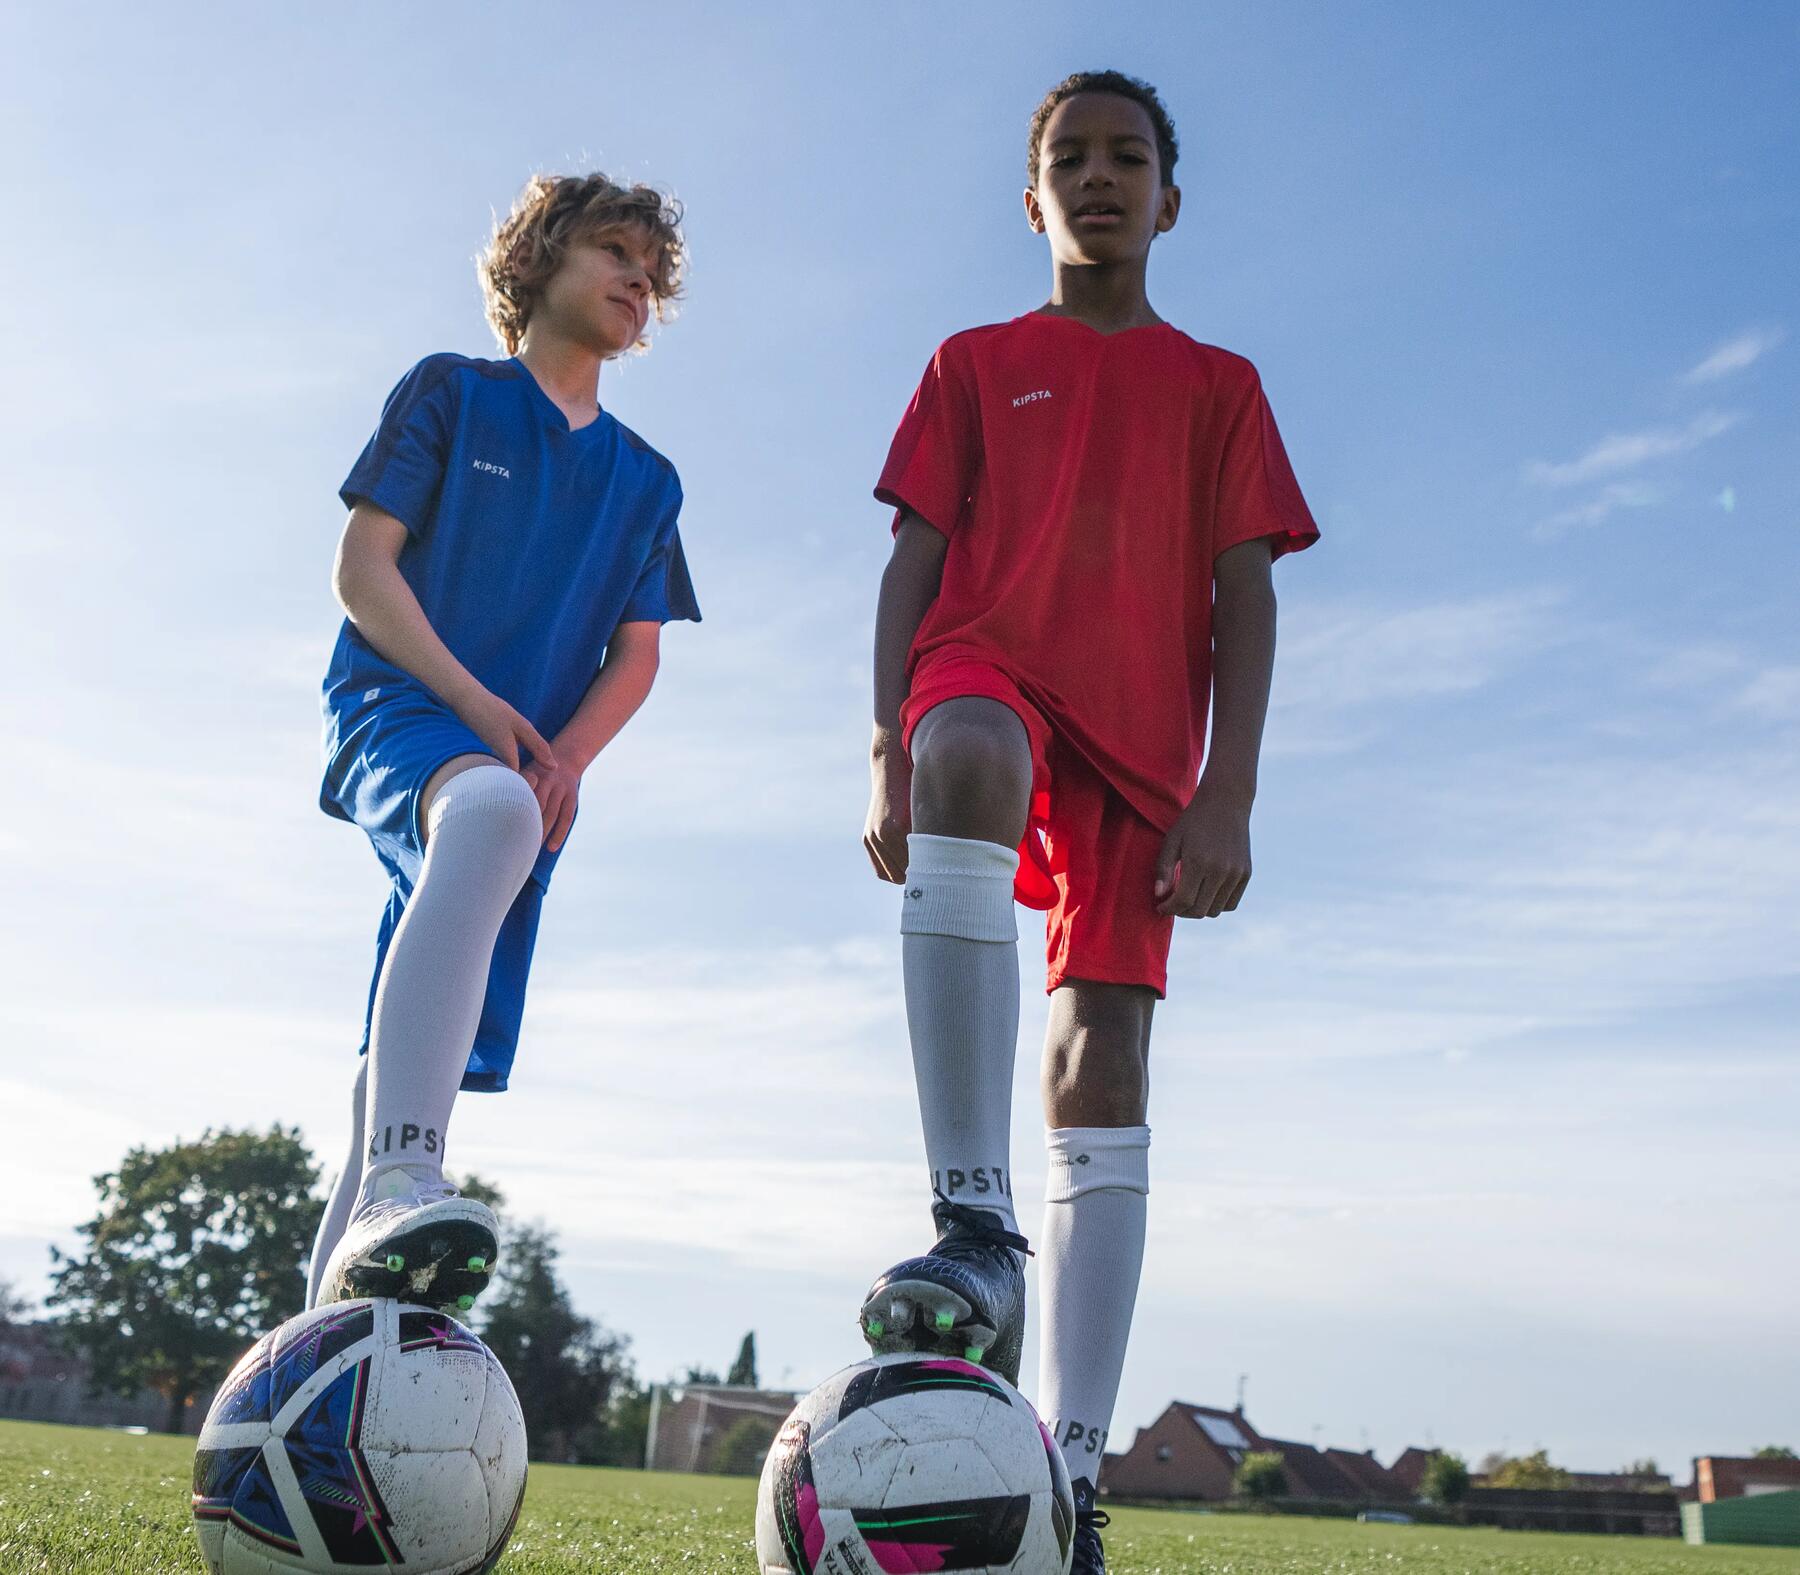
1226	784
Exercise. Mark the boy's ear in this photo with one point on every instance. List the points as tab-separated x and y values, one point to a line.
1034	213
1168	210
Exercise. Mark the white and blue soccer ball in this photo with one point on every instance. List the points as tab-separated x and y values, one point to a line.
361	1434
914	1462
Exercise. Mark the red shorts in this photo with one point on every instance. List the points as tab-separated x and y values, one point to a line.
1088	857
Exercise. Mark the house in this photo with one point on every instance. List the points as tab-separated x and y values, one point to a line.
1733	1476
1311	1473
41	1382
1375	1480
1408	1469
1189	1452
714	1427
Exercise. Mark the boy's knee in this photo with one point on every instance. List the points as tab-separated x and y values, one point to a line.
495	805
971	763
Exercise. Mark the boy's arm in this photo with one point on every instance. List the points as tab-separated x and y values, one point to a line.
376	598
909	585
612	699
1205	861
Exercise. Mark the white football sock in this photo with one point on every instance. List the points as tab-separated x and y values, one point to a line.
344	1190
1089	1259
483	836
960	963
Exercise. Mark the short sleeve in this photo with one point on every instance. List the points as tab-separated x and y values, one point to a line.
664	592
935	457
402	467
1257	493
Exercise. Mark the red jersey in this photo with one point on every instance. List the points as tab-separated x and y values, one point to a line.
1086	483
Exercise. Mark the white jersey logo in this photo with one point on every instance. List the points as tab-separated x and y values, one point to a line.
1031	398
493	470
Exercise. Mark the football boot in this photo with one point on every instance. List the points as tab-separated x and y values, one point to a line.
966	1297
416	1241
1089	1554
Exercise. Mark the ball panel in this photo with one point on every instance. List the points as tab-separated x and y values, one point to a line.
942	1470
429	1387
854	1461
441	1520
244	1396
890	1378
499	1449
312	1342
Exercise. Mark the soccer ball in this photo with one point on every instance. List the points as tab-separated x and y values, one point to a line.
361	1433
909	1463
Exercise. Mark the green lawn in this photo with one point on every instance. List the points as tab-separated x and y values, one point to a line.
75	1500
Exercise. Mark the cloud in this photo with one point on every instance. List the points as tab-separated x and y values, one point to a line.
1361	658
1621	451
1734	355
1774	692
1615	495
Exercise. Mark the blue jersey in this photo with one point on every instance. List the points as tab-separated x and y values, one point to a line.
527	545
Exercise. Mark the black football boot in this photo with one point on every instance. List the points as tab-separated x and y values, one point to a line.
966	1297
1090	1556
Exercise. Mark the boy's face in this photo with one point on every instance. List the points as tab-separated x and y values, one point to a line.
1099	195
600	295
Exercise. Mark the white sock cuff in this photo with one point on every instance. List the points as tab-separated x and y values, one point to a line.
1093	1159
959	886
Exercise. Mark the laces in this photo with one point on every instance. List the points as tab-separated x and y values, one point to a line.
979	1222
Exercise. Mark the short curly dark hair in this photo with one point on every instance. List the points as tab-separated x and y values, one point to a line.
1168	149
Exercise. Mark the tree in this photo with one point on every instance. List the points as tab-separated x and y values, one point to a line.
1773	1452
743	1370
1260	1475
197	1252
1446	1480
745	1445
1530	1471
13	1306
1646	1470
568	1371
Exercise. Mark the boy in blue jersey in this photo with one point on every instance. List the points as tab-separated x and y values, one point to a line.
510	558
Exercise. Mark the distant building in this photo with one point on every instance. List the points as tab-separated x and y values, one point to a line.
1733	1476
1408	1469
1189	1452
41	1382
1193	1452
688	1427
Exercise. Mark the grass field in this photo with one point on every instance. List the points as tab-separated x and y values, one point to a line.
79	1502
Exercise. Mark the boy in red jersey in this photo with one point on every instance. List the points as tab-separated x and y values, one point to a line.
1088	506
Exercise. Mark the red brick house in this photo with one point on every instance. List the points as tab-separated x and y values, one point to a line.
1731	1476
1189	1452
1408	1469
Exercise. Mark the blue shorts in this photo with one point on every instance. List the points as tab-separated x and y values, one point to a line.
381	750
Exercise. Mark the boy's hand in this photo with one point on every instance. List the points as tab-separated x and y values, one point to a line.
890	814
1205	861
504	731
558	790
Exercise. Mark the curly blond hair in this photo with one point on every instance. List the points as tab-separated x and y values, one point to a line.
553	212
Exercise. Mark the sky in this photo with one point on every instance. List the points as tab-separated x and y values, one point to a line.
1475	1126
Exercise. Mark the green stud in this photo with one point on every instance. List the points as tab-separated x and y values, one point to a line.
876	1328
464	1303
974	1353
478	1264
945	1321
395	1263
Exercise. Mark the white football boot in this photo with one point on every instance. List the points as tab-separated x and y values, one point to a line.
415	1241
